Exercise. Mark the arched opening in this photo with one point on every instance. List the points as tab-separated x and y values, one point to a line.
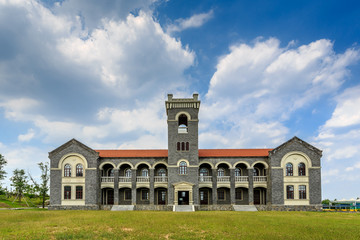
125	173
182	124
160	173
223	173
67	170
182	168
79	170
302	169
161	196
205	173
107	196
241	173
107	173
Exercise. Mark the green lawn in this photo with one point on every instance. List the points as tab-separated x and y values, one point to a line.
43	224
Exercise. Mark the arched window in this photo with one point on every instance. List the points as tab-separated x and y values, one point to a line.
204	172
67	170
79	170
161	172
290	192
302	171
144	172
237	172
182	146
187	146
128	173
183	167
178	146
183	124
221	172
289	169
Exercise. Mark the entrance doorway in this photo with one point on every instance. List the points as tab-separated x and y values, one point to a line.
204	196
259	196
183	197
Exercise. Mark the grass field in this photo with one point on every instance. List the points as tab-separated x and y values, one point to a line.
43	224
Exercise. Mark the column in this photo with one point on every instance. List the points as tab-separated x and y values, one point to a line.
251	186
151	190
232	186
133	186
116	186
214	186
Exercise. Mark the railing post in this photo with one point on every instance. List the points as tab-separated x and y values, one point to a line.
151	172
116	186
214	186
251	186
232	186
133	186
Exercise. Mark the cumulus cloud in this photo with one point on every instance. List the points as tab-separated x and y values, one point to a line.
194	21
256	88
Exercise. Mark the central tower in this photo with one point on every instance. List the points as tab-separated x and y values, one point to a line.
182	119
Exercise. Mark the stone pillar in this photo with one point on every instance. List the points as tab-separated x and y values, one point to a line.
170	193
152	179
232	186
214	186
196	199
133	186
251	186
116	186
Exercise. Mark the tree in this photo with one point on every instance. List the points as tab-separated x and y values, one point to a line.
43	187
19	182
3	162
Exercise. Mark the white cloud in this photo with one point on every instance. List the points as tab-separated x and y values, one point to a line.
346	112
194	21
255	89
27	136
354	167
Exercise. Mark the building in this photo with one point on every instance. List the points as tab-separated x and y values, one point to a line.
287	177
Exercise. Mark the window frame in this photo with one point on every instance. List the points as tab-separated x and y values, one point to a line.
146	193
126	171
67	170
301	169
221	172
239	191
290	191
127	193
289	169
79	194
144	172
183	168
79	170
222	191
302	192
67	192
238	172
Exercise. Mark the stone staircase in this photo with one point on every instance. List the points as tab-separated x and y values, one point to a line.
122	208
245	208
184	208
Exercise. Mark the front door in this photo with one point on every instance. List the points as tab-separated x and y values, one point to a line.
110	196
161	197
204	197
256	196
183	197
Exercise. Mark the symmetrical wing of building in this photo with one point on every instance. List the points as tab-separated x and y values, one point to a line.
285	177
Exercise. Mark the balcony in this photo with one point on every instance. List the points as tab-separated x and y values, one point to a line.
260	178
161	179
242	179
182	129
124	179
205	179
224	179
107	179
143	179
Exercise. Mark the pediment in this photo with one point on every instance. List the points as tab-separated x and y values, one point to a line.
69	144
295	141
183	184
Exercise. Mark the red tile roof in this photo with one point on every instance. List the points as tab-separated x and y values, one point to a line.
202	153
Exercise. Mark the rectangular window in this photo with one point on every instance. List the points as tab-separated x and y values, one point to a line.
221	194
238	194
67	192
127	194
79	192
290	192
302	192
144	194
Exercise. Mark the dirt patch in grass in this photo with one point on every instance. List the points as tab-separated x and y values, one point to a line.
4	205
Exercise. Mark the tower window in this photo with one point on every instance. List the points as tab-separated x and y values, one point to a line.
183	124
178	146
182	146
183	168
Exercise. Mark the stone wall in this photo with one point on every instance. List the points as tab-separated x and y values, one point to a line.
317	207
214	208
153	207
86	207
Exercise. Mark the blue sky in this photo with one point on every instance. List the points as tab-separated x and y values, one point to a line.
99	71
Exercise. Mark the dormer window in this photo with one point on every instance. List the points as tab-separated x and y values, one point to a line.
183	124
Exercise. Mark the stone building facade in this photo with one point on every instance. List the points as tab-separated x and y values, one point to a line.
287	177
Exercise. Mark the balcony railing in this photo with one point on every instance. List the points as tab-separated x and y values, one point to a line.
125	179
241	178
107	179
182	129
142	179
205	178
223	179
260	178
161	178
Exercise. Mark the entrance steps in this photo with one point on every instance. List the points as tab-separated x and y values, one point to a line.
245	208
122	208
184	208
